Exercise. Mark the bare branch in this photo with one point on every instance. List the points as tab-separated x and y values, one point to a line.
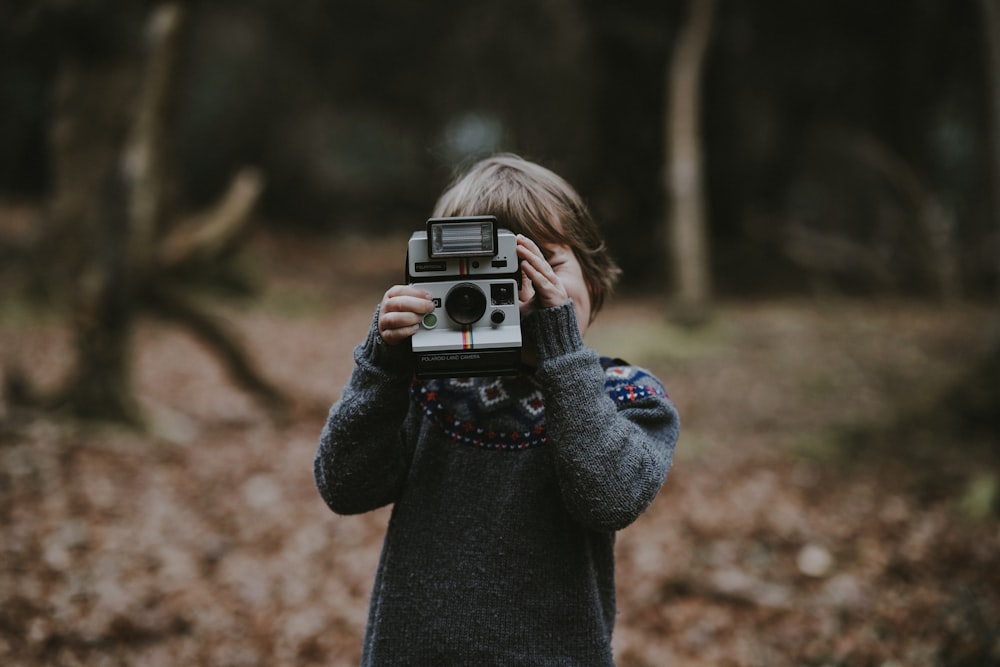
209	234
214	332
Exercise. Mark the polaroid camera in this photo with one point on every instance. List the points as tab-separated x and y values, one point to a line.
471	269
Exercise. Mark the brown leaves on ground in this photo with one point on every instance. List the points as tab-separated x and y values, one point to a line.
775	541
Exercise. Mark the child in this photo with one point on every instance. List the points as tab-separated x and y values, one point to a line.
506	491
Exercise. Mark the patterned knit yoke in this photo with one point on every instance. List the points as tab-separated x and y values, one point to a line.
508	413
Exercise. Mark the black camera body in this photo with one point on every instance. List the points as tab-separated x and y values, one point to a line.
470	267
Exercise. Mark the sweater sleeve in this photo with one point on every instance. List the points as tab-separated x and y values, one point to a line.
613	439
362	458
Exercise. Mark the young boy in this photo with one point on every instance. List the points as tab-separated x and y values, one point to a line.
506	491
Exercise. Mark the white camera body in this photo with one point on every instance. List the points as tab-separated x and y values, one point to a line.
471	269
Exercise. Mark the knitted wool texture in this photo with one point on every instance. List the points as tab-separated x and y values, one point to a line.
506	496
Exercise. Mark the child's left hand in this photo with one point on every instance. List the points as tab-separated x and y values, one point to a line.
540	286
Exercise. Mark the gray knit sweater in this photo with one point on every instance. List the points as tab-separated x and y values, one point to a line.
506	495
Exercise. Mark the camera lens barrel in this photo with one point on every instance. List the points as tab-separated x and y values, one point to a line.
465	303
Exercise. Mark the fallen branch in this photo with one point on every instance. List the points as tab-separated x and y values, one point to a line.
213	332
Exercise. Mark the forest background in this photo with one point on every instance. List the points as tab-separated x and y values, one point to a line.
200	204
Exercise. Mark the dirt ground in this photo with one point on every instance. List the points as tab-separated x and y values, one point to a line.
777	540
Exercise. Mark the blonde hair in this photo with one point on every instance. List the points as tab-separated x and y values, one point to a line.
528	199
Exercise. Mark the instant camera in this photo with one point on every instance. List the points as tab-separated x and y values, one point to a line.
470	267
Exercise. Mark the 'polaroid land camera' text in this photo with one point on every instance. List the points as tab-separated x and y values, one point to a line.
471	269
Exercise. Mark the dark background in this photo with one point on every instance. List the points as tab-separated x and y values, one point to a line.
358	114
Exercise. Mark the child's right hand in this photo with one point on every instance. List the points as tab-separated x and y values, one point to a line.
402	308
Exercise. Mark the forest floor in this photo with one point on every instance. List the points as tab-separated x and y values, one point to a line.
782	536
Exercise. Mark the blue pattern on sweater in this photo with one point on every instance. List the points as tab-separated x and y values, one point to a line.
516	406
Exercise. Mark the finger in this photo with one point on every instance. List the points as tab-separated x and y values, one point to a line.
400	313
527	291
403	317
408	304
407	298
544	279
398	320
532	256
396	327
526	296
549	290
396	336
531	266
405	290
524	242
412	290
528	251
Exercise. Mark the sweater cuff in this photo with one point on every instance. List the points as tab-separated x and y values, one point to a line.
390	358
553	331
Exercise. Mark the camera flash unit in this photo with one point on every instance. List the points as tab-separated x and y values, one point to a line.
470	237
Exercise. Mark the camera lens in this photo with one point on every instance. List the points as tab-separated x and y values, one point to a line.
465	303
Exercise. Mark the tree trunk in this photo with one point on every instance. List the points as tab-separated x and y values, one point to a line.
89	228
686	220
971	407
145	159
991	33
109	235
977	398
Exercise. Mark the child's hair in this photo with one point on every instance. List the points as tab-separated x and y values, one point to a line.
531	200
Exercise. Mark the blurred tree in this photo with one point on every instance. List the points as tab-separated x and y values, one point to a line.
991	37
967	412
687	220
977	398
84	247
109	225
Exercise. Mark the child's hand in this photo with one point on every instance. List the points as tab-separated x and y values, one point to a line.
402	308
540	286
